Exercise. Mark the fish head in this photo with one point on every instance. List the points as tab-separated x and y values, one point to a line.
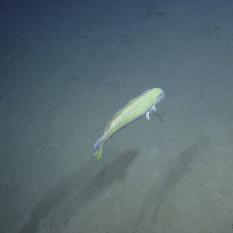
158	94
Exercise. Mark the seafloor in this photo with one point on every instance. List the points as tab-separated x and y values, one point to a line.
66	67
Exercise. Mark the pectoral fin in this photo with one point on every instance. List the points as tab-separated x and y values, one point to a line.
152	109
148	115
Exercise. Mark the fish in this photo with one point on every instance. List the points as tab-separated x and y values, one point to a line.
144	104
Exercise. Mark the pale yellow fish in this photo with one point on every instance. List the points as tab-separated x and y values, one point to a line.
143	104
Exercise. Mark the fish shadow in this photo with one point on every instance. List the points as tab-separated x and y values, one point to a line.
79	189
180	166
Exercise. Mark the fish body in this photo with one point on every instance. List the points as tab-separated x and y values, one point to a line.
141	105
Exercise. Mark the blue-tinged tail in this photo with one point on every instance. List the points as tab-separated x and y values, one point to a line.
98	148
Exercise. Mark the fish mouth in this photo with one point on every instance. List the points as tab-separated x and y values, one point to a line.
160	97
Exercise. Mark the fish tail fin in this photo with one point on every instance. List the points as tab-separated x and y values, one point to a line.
98	148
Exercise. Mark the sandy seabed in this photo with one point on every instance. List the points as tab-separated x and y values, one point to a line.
67	68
